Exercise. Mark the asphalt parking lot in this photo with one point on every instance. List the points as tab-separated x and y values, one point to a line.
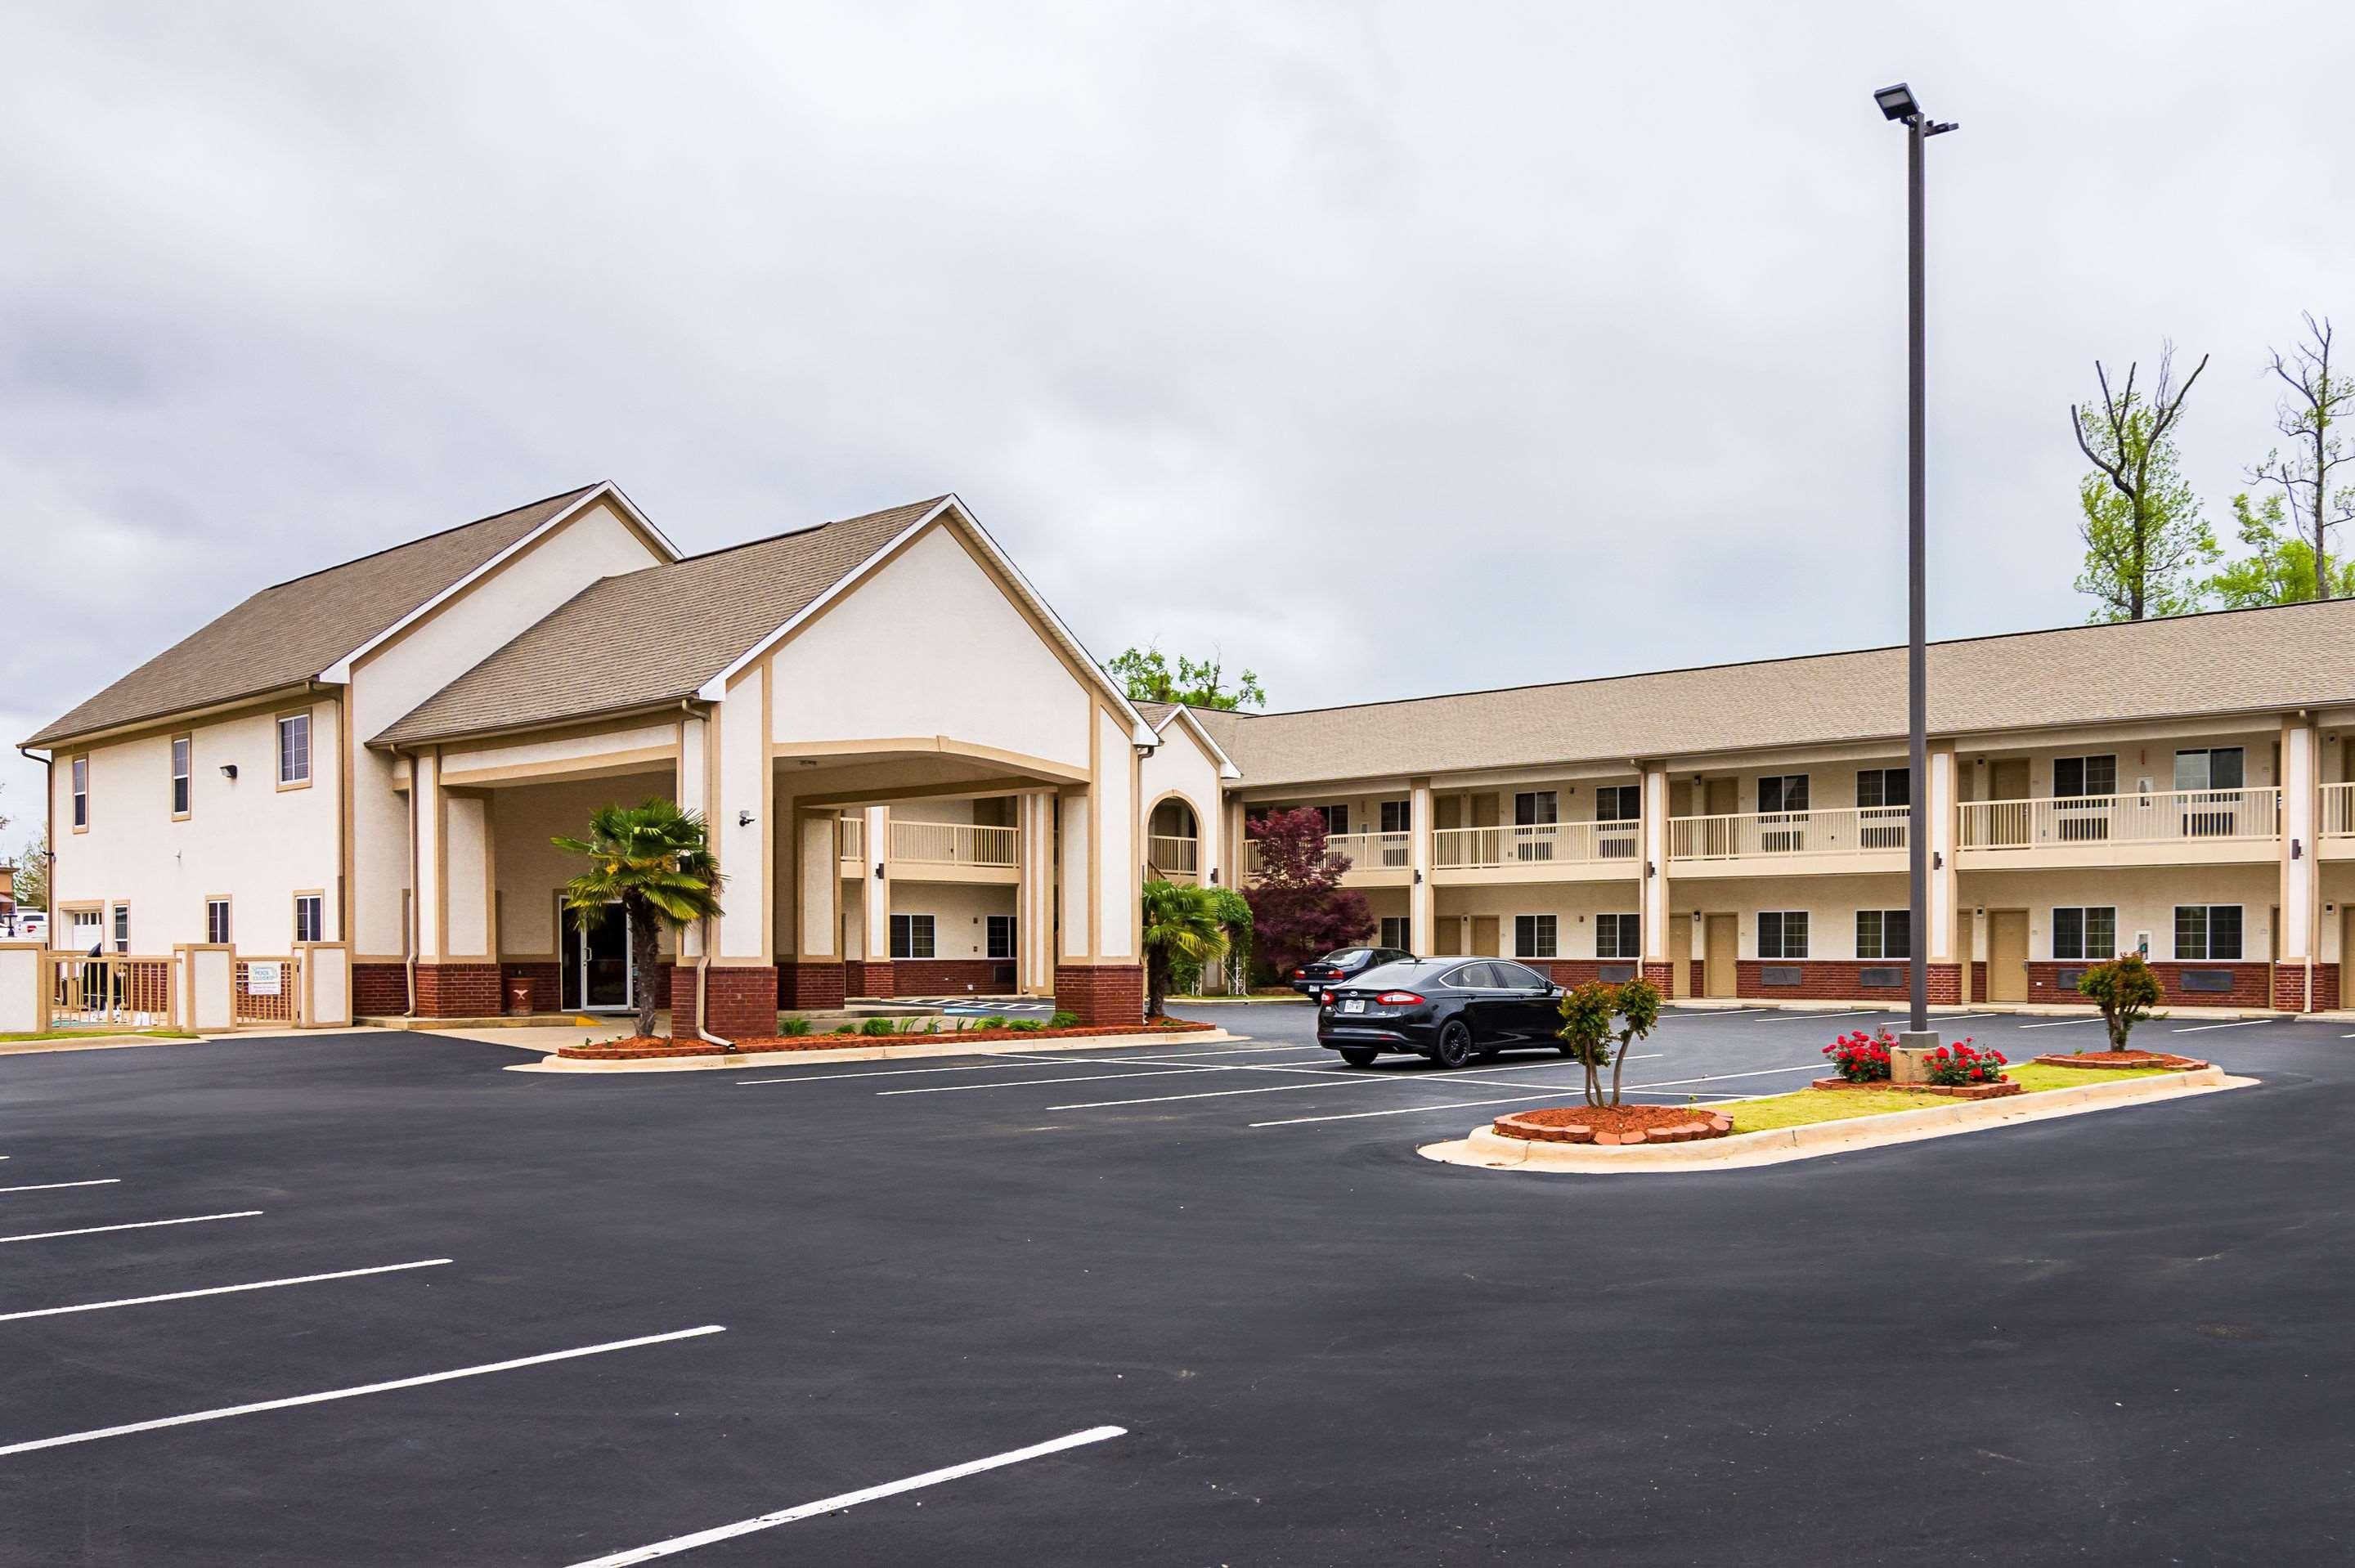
1189	1304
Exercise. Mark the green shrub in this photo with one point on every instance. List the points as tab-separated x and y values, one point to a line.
2126	988
792	1028
991	1021
878	1026
1064	1021
1026	1025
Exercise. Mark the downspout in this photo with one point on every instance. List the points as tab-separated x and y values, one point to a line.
703	969
409	927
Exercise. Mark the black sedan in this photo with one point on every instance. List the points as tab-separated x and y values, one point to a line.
1312	978
1450	1009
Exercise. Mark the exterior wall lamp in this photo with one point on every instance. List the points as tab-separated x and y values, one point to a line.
743	819
228	771
879	871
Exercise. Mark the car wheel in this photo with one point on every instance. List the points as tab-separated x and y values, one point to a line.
1358	1056
1455	1047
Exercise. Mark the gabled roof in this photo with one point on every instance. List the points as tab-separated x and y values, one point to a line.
671	633
2226	661
301	627
1161	716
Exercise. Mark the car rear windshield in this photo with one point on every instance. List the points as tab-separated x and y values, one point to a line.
1346	956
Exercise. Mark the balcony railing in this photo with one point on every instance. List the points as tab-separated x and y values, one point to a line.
1363	851
854	838
2162	816
953	843
1851	829
1480	848
1169	853
2339	810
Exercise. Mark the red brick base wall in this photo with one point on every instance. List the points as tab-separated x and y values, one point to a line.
1978	979
950	977
2251	985
380	991
458	990
546	981
1583	971
2289	987
868	977
814	988
1101	993
1839	979
742	1000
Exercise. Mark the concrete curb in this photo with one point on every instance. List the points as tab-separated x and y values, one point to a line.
99	1043
1487	1151
931	1045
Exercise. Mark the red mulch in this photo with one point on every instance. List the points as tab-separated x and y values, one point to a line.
641	1047
1613	1124
2122	1059
1609	1118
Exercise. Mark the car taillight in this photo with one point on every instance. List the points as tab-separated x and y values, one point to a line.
1300	974
1398	999
1324	999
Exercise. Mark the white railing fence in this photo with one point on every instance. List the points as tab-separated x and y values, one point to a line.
1839	830
854	838
1171	853
2161	816
2339	810
1460	849
953	843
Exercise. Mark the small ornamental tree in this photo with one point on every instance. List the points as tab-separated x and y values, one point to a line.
1181	925
1639	1014
1299	908
1586	1035
2126	988
653	861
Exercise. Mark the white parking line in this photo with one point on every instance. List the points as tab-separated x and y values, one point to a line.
135	1225
1008	1060
219	1290
1100	1078
1817	1017
53	1186
1713	1012
2061	1023
227	1411
852	1499
1524	1099
2242	1023
1328	1077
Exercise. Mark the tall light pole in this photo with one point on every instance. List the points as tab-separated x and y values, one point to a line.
1898	103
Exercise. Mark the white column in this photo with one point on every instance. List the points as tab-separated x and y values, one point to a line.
1938	815
1423	926
1119	843
466	865
875	884
740	808
1033	896
1654	869
2300	781
1075	869
691	787
425	826
817	923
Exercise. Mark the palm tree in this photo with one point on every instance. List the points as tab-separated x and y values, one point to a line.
1181	921
653	859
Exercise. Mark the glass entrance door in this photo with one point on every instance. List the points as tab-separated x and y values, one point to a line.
597	965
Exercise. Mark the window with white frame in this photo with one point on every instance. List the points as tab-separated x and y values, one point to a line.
308	915
180	744
1395	929
217	920
1884	785
2207	930
1000	937
1397	816
122	928
294	748
1535	814
2076	777
1533	935
912	936
1783	933
1336	817
2085	932
1884	933
1783	792
80	793
1618	936
1618	802
2209	767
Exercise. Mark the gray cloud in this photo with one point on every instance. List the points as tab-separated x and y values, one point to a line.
1390	349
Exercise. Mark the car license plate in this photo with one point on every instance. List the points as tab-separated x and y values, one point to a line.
1355	1004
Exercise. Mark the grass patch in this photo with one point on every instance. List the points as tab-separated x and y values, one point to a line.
95	1035
1808	1106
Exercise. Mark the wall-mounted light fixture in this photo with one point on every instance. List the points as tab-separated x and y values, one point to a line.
743	819
1418	878
1937	860
229	770
879	871
1651	870
2296	850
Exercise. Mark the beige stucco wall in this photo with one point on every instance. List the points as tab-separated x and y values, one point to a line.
386	685
1179	765
1574	906
2140	758
929	646
530	870
246	840
2145	898
958	911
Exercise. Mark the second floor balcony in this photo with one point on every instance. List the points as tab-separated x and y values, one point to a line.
2337	833
1570	852
1836	838
2150	827
939	852
1374	860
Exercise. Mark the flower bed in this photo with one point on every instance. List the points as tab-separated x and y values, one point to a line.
1613	1125
642	1048
2092	1059
1861	1058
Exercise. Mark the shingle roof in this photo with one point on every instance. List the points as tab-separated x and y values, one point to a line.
2227	662
651	636
288	633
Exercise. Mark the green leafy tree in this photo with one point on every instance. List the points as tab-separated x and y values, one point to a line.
653	861
1639	1014
2125	990
1587	1037
2319	402
33	873
2145	537
1234	916
1149	677
2279	567
1181	925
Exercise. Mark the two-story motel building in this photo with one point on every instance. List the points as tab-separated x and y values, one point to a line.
918	782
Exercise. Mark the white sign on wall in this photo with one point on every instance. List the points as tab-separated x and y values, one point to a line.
262	979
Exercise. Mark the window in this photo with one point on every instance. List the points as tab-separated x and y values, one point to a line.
122	928
1884	933
1618	936
1535	813
294	750
1618	802
1533	935
1337	819
1000	937
179	776
307	925
912	936
217	920
1513	977
1783	792
80	793
1472	977
2216	767
1883	787
1395	929
2207	930
2076	775
1783	933
1397	816
2089	933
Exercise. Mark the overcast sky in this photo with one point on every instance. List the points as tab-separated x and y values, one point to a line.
1388	350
